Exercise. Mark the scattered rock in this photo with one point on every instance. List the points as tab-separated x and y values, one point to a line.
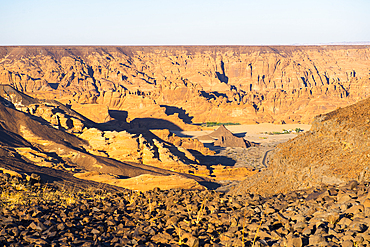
174	217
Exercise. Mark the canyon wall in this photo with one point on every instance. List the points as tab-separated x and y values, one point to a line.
192	84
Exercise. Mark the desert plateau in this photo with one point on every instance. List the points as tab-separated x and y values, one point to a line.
185	145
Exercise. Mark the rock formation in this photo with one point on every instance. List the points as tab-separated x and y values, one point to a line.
225	138
55	113
49	134
133	89
124	146
37	142
243	84
38	137
186	143
95	112
336	150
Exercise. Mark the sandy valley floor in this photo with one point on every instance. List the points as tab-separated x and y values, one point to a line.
256	157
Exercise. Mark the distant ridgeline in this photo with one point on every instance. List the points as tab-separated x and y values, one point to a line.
222	84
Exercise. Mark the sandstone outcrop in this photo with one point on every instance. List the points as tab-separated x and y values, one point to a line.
243	84
124	146
30	140
184	143
53	135
336	150
95	112
225	138
55	113
163	150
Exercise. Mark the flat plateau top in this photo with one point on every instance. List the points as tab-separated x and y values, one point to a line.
60	51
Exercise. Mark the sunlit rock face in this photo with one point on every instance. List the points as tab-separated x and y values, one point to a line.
187	84
49	134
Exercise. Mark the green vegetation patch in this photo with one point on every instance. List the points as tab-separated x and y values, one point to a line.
212	124
295	131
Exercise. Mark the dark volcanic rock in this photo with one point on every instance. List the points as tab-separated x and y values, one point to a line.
51	215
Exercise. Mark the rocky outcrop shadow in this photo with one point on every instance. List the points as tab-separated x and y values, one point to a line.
182	114
152	123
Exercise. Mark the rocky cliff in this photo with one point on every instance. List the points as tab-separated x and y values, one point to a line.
336	150
189	84
49	134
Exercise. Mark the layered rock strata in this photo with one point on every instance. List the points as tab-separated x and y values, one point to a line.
124	146
28	141
53	135
243	84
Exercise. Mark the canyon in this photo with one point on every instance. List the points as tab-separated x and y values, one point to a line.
111	113
192	84
185	145
51	137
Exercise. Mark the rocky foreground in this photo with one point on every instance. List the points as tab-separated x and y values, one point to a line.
38	214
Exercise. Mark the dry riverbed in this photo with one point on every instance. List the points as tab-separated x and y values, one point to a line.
256	157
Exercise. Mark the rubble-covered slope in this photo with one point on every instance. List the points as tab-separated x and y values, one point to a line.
335	150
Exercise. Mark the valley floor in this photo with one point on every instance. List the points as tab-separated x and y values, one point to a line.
267	136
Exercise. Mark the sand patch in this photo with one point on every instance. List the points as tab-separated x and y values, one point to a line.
143	182
265	127
221	172
251	132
